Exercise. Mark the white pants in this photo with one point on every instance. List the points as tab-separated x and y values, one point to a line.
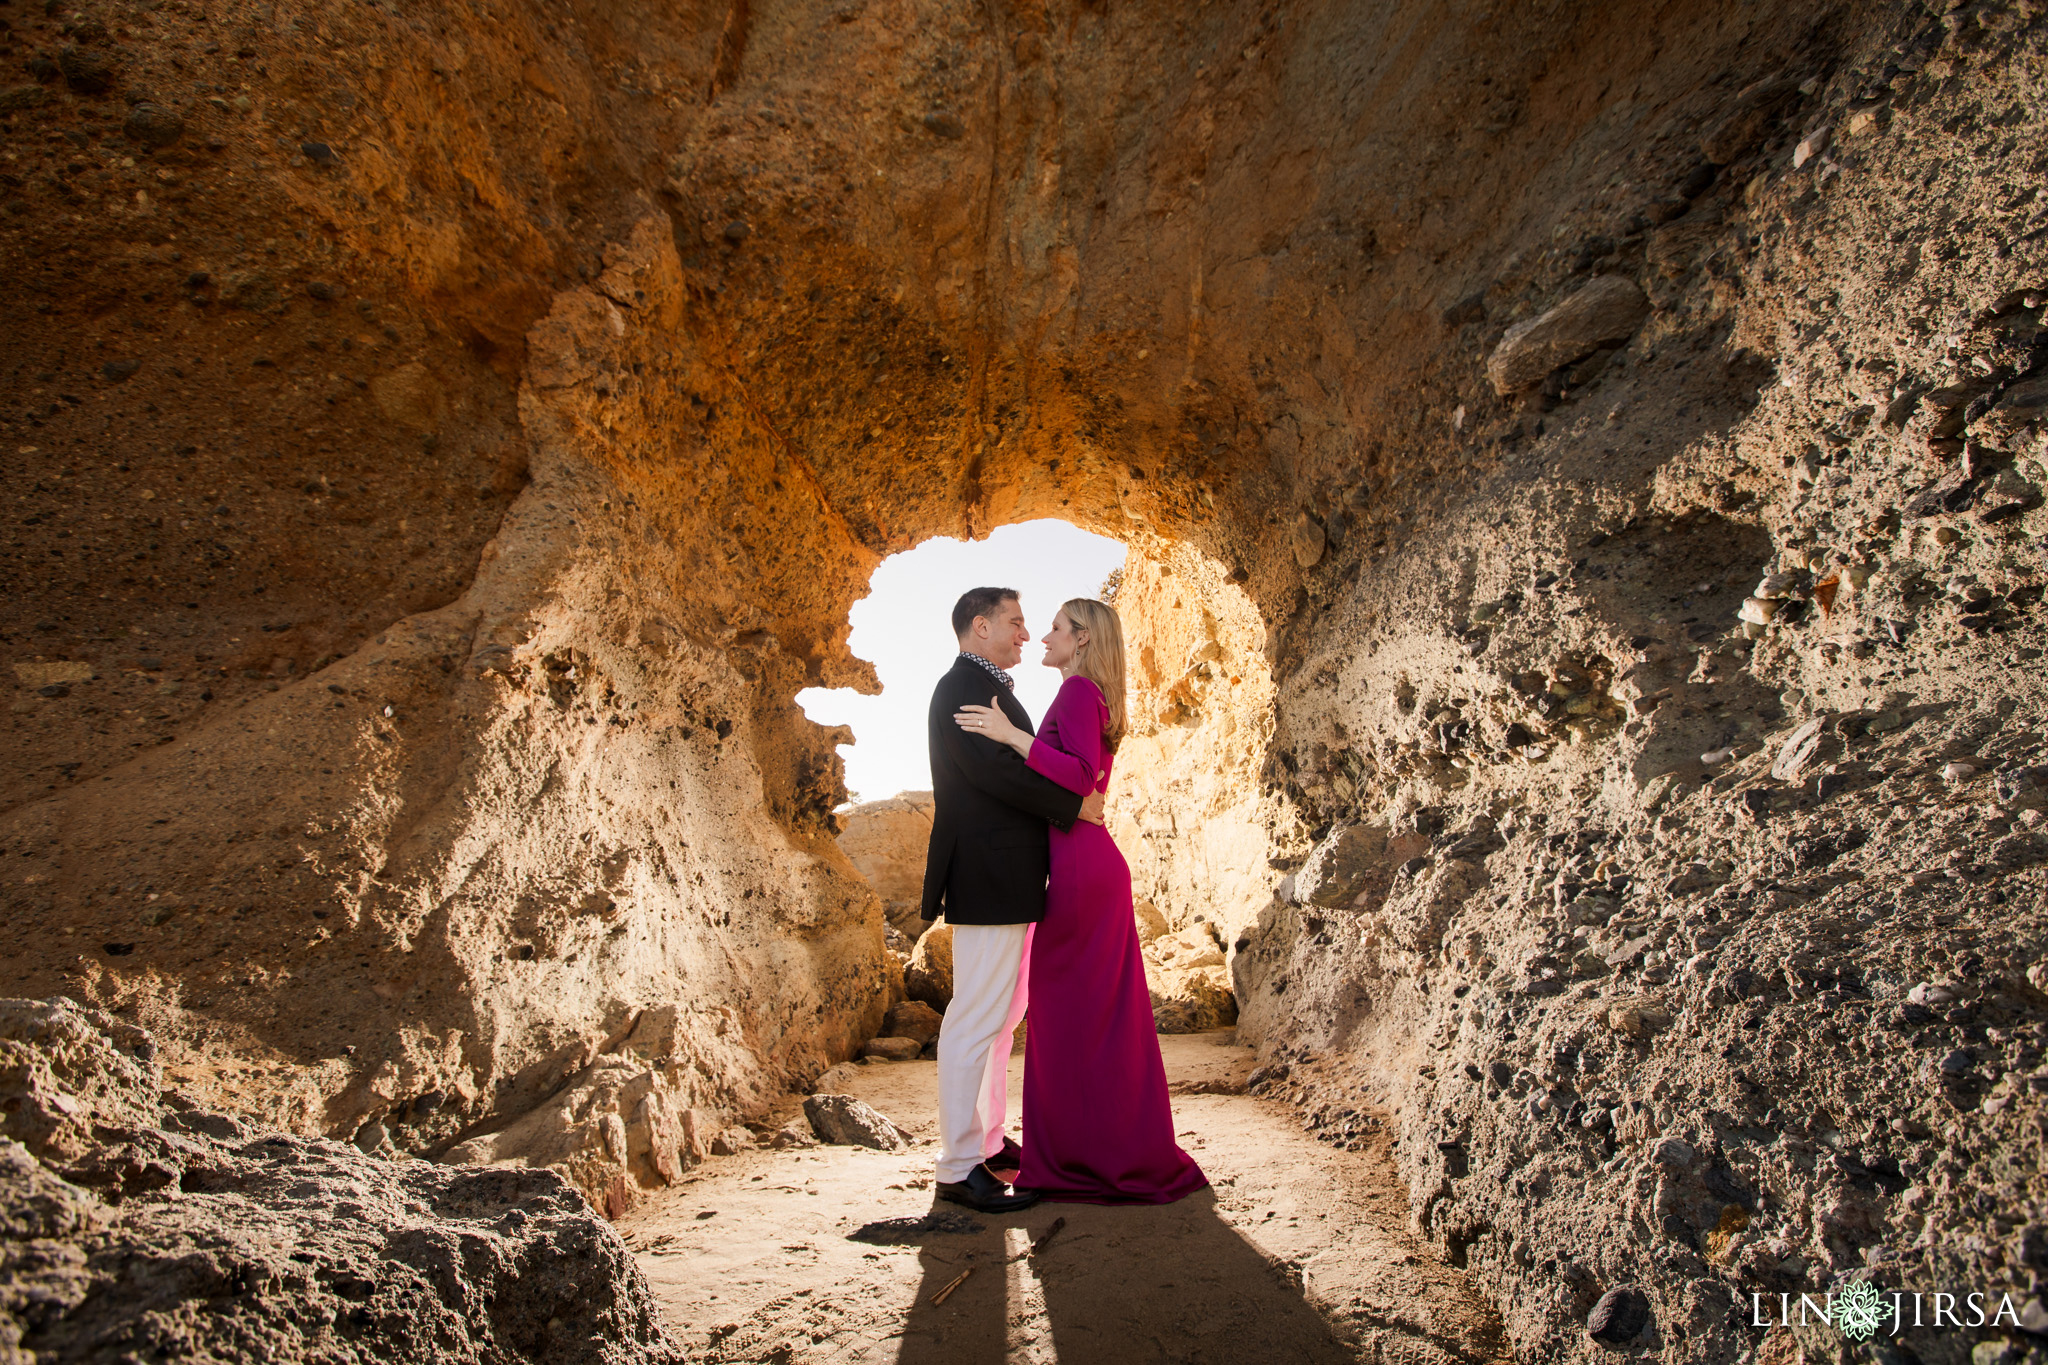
990	964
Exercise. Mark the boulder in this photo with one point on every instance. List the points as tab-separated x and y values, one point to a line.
912	1019
1608	308
845	1121
893	1049
1190	1000
1189	982
929	977
790	1136
184	1235
624	1115
836	1079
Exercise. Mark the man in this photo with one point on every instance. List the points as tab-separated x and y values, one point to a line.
986	868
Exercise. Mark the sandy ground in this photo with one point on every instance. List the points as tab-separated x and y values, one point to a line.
1298	1252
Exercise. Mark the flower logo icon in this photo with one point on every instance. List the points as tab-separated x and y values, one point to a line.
1859	1308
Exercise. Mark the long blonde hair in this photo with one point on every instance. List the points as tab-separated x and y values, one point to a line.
1101	658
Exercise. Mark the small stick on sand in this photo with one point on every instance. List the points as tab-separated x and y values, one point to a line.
951	1285
1050	1233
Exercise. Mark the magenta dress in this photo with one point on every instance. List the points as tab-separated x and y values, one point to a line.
1098	1125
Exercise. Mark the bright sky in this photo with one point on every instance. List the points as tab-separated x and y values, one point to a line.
903	626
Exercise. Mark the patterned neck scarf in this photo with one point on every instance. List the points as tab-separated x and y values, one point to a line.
1009	683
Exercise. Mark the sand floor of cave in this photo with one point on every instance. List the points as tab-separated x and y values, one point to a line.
1298	1252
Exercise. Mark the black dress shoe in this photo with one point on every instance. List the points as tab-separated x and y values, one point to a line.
984	1193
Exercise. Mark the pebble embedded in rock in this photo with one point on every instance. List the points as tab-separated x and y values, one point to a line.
1799	750
319	153
1308	540
86	71
1619	1316
1759	611
153	126
1790	584
1675	1153
1637	1020
119	371
1811	146
1606	309
944	123
1929	995
1471	308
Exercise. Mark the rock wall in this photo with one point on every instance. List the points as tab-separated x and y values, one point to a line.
404	867
438	471
1674	793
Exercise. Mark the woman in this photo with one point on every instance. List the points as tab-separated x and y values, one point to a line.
1098	1126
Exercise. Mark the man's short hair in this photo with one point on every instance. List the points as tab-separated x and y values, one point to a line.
978	602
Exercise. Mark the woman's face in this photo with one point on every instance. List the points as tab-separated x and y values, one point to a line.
1060	642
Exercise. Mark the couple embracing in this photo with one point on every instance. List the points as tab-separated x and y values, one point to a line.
1040	903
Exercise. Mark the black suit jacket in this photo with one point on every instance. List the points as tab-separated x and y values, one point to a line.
988	857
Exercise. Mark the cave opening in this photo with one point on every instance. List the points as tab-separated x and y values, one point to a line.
901	628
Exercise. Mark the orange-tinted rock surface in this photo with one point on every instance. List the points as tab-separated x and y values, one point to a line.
441	442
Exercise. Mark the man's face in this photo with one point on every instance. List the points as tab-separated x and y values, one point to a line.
1002	634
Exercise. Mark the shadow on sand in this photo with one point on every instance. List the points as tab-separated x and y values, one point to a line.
1115	1286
